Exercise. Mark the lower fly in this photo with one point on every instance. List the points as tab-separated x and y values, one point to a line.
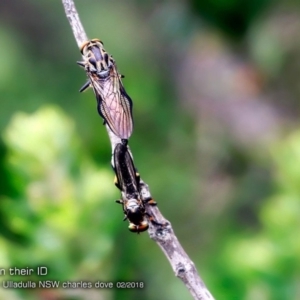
128	180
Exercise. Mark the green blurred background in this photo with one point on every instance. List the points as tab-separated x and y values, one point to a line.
216	92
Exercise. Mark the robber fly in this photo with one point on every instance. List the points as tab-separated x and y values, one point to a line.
113	103
128	180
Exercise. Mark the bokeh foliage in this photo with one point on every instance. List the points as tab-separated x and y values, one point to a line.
216	109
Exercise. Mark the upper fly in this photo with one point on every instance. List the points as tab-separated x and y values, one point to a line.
113	103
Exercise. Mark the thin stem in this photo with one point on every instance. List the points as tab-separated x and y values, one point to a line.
73	17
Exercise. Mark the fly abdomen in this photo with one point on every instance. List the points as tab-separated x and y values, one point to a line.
103	74
127	177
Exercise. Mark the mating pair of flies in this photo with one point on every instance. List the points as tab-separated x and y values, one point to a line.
115	107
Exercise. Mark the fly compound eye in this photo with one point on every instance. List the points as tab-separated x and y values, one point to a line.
132	227
143	226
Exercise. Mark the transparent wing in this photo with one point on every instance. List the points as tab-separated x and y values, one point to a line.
114	105
125	171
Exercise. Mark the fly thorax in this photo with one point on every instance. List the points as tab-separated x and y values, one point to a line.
132	206
103	73
97	61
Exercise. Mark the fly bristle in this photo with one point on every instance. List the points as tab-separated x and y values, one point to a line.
81	63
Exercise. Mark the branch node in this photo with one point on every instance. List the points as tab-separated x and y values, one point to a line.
180	270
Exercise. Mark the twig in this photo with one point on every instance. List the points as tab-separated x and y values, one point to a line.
72	16
160	230
166	239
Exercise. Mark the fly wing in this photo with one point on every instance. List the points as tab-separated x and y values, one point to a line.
114	104
125	171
